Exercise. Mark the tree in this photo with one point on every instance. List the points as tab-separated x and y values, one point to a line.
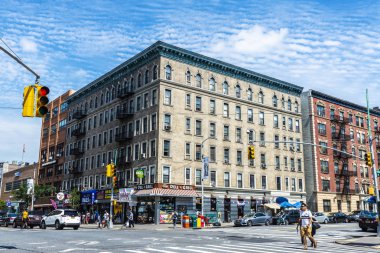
39	191
3	205
75	198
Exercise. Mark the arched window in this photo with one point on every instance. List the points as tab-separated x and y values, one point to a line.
289	104
198	80
118	89
249	94
283	103
85	106
155	72
96	102
188	76
139	80
168	72
146	76
238	91
212	84
107	96
296	108
225	88
274	100
113	93
101	99
261	97
91	103
132	84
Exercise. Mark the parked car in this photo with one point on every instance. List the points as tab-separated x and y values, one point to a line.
61	218
321	217
253	219
353	216
2	219
288	217
368	220
7	219
35	218
337	217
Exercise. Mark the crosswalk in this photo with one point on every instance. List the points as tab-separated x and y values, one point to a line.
273	247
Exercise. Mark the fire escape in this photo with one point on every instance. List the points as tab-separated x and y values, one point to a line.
341	139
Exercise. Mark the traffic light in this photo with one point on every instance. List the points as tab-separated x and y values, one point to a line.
110	170
42	100
115	182
371	190
251	152
368	159
28	102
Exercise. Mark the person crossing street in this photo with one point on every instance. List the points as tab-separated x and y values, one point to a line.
25	219
306	226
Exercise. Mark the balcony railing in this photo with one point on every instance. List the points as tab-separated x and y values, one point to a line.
123	162
341	155
338	118
76	151
123	136
341	137
124	93
123	114
78	132
79	114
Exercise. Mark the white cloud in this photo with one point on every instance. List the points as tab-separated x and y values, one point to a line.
332	43
28	45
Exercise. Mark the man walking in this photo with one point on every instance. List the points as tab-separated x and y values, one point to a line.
174	218
130	219
306	220
25	219
106	219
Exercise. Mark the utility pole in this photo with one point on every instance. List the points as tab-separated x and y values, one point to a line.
374	172
34	182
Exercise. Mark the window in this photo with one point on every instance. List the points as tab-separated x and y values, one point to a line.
198	176
277	161
226	132
262	139
226	112
168	97
274	101
299	165
239	180
321	129
289	104
198	155
226	155
212	154
321	111
155	74
276	141
290	123
198	104
153	122
225	88
146	100
188	125
213	178
262	160
198	81
238	113
198	127
167	121
250	115
326	205
261	118
154	97
64	107
153	148
212	130
263	182
293	184
261	97
239	160
287	184
226	179
297	126
278	183
146	76
212	106
325	185
187	150
238	134
251	136
252	184
166	174
188	76
166	148
275	121
300	185
187	176
139	80
325	167
323	148
168	72
238	91
212	84
249	94
286	162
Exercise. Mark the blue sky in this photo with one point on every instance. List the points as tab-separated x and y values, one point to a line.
331	46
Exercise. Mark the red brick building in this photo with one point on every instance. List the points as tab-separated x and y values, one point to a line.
53	137
337	180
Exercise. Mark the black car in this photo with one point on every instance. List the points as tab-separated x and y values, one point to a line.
353	216
337	217
288	217
35	218
368	220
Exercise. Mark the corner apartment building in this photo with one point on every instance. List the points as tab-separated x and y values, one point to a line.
155	111
4	168
337	180
53	142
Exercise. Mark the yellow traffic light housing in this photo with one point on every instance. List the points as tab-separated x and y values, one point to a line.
371	190
115	182
368	159
28	102
110	170
251	152
42	100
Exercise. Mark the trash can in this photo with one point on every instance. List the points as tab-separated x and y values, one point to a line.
202	221
186	221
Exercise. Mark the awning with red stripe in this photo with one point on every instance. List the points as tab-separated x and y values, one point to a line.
166	192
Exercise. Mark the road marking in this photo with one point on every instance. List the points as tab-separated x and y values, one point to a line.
45	247
36	243
135	251
77	250
160	250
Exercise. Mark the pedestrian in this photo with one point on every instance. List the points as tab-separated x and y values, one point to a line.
305	223
174	218
88	217
25	219
106	219
130	219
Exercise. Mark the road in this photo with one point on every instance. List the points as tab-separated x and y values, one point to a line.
229	240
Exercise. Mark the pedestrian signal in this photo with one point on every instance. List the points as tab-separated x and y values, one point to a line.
28	102
42	100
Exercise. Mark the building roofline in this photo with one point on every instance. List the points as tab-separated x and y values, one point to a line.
160	48
345	103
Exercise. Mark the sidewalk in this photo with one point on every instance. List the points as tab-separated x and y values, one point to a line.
151	226
367	241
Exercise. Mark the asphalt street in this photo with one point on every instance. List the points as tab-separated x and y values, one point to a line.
245	239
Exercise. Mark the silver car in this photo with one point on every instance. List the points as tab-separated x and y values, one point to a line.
254	219
321	217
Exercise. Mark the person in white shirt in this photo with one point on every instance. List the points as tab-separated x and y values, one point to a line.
306	220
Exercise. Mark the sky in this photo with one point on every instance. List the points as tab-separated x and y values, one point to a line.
330	46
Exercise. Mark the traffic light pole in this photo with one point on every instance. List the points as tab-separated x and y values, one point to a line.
374	172
21	63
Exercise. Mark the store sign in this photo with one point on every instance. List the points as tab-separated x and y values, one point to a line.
100	195
60	196
125	194
107	194
140	173
145	186
88	197
177	187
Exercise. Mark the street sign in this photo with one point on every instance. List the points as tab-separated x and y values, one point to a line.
60	196
205	161
140	173
9	203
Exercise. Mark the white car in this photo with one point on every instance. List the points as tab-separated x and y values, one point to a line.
321	217
61	218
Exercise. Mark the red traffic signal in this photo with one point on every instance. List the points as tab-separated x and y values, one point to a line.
42	101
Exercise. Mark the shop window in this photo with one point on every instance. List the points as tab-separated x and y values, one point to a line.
198	205
213	203
326	205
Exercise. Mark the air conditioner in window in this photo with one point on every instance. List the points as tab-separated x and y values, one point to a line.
143	155
213	184
263	166
226	161
292	148
293	169
167	128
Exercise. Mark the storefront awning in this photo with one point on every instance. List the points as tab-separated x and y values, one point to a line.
272	206
166	192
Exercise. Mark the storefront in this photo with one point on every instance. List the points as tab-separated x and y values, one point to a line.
87	200
157	202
